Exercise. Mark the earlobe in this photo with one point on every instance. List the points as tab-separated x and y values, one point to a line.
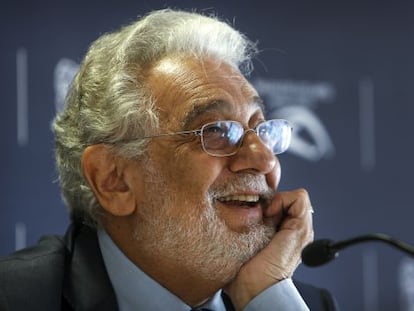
104	172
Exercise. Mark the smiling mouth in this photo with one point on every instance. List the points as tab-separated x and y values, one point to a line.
240	200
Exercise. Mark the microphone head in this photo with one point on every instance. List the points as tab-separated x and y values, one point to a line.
318	253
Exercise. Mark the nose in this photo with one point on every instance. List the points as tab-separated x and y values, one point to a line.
253	156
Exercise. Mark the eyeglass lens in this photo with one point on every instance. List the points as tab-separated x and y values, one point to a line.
224	137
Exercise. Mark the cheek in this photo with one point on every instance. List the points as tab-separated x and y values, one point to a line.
196	175
190	173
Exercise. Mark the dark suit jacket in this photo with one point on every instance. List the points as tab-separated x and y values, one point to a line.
69	274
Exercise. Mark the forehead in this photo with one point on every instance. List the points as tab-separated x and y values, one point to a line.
186	88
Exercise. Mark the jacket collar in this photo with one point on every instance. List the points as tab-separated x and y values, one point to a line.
86	284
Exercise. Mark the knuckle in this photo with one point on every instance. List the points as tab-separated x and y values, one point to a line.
302	193
303	196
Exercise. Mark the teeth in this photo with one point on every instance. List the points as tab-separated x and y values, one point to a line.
242	198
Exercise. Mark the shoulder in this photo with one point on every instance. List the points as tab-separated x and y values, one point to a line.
35	273
316	298
50	251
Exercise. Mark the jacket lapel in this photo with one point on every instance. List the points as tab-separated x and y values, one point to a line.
86	283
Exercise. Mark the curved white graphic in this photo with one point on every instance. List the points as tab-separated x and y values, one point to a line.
310	140
294	100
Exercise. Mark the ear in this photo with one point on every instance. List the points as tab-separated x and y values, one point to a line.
105	173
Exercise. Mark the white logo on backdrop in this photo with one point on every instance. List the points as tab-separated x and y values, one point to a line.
294	101
65	70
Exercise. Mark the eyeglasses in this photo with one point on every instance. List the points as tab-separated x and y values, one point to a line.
224	138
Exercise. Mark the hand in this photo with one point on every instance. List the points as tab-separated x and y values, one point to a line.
291	213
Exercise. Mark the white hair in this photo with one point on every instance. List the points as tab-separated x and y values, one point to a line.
109	101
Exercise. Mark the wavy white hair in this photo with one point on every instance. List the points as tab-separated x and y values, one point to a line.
108	100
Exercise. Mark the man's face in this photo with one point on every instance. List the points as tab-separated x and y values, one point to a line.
205	208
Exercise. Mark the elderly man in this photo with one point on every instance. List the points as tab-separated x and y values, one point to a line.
169	169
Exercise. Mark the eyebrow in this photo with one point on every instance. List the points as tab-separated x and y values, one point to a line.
216	106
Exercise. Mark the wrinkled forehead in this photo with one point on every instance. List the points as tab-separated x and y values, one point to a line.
221	108
186	88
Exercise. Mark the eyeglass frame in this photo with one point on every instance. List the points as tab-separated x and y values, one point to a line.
199	132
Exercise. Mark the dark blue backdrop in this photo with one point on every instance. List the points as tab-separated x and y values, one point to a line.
341	71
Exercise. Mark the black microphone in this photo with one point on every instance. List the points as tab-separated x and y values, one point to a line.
323	251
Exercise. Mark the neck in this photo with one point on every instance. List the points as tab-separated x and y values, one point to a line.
174	274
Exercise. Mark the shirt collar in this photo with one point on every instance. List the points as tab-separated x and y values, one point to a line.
135	290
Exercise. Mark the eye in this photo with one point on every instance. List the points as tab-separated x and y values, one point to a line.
213	136
229	130
214	130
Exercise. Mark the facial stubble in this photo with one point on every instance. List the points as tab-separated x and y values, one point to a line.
198	240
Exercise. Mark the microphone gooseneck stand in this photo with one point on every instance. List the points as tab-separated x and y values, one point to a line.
322	251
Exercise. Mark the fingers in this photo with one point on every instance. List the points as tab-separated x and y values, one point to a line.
298	214
295	203
294	228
